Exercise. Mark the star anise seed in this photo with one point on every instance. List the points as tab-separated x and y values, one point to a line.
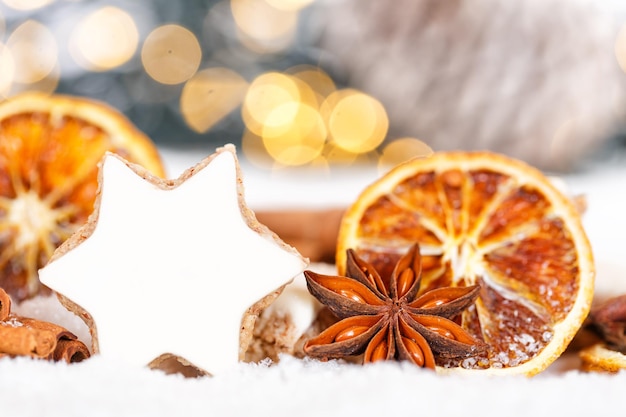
387	320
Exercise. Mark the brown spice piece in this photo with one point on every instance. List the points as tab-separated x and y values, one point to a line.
5	305
172	364
23	336
68	347
70	351
276	334
18	339
312	232
609	320
387	320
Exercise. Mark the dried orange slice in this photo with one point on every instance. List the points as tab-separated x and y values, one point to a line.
50	146
601	358
482	218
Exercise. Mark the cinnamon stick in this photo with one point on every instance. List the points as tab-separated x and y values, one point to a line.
67	346
312	232
18	339
57	330
23	336
5	305
70	351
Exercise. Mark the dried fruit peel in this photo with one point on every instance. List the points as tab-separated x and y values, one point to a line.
601	358
49	151
479	218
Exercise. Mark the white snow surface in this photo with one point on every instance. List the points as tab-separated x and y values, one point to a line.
104	387
98	387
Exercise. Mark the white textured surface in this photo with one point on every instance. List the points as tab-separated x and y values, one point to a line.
99	387
102	386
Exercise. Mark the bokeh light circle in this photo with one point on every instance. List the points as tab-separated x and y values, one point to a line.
104	39
401	150
34	50
266	93
290	5
357	122
299	142
26	5
263	28
171	54
210	95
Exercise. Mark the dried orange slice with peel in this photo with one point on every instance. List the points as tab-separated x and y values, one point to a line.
482	218
50	146
601	358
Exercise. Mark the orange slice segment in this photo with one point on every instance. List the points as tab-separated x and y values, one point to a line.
482	218
50	146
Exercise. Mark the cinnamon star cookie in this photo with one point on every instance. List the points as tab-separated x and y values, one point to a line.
172	267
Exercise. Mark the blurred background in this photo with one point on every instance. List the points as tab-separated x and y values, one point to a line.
327	83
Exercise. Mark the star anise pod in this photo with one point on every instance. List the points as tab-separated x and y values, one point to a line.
387	320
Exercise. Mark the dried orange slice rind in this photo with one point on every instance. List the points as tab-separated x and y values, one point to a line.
50	146
600	358
483	218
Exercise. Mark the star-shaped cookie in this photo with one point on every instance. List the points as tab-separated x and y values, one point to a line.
175	267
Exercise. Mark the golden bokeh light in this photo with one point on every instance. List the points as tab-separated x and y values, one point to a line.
280	118
171	54
105	39
337	154
328	105
7	70
620	48
340	157
47	85
298	142
282	111
316	79
307	95
254	151
210	95
266	93
301	119
34	51
27	4
288	154
402	150
263	28
289	5
357	122
321	167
